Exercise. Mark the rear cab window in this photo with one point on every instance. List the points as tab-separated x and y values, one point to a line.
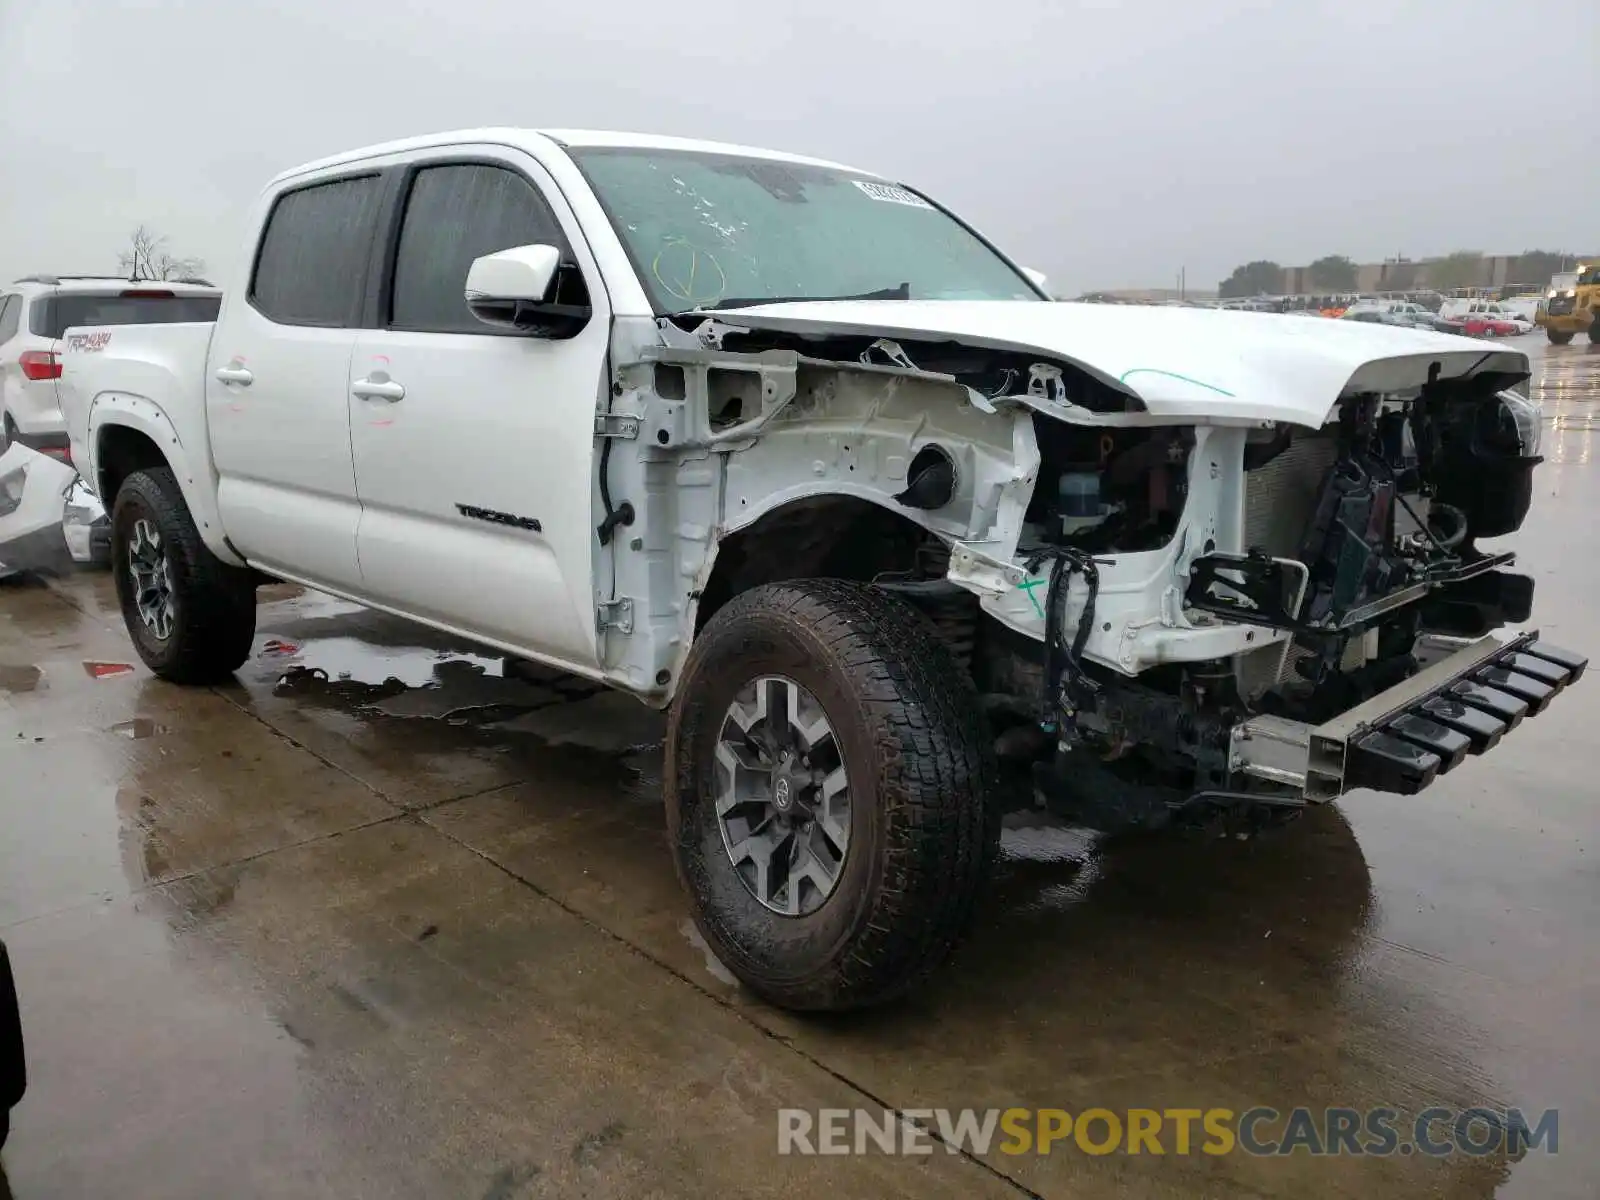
53	315
311	264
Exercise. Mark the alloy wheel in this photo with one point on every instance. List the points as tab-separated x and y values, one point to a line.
782	796
150	572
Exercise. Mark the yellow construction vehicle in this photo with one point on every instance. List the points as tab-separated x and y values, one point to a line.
1572	305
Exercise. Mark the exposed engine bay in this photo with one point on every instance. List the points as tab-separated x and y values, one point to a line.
1358	539
1136	579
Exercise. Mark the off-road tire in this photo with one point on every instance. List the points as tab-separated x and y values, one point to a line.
215	604
918	753
1594	327
1557	338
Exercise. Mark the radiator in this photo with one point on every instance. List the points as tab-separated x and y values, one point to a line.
1280	500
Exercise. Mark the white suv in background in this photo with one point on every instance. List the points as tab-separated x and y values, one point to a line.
37	309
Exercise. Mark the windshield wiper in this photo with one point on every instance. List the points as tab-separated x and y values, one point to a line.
901	292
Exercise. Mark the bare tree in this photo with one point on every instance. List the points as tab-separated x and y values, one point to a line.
147	257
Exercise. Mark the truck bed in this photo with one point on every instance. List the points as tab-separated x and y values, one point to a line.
125	366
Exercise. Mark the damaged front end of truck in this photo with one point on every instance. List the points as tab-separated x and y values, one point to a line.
1177	590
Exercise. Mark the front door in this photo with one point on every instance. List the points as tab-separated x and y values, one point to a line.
473	446
277	385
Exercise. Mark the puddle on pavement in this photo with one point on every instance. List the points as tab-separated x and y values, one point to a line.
1045	865
138	728
405	682
607	722
357	661
359	673
1566	380
295	603
19	679
713	964
1038	837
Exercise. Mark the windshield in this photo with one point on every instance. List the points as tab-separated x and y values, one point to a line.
707	230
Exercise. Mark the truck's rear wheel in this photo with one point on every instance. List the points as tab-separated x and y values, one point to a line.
1557	338
1594	327
190	615
828	793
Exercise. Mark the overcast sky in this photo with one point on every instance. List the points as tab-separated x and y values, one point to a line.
1108	143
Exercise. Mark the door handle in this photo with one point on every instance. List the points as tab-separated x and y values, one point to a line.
378	389
235	375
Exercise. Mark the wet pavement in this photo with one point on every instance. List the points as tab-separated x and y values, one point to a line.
385	919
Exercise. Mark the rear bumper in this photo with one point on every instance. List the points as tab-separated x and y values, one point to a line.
35	411
1401	740
56	445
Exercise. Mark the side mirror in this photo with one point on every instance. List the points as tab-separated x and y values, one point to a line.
517	289
1039	279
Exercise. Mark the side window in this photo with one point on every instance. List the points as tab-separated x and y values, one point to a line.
454	214
10	314
311	266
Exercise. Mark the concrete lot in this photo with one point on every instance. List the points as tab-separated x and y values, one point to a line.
378	921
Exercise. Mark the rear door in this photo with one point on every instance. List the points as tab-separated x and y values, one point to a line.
474	446
278	377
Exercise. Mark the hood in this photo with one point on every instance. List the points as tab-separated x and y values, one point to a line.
1185	363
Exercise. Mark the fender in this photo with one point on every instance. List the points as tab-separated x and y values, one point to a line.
192	468
711	549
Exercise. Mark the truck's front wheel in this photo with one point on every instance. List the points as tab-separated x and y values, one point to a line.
1557	338
190	615
828	794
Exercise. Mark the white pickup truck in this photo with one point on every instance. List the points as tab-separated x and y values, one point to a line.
788	449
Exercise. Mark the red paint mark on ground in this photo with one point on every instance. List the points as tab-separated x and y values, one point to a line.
104	670
278	648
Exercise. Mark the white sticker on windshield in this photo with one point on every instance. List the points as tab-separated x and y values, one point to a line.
890	194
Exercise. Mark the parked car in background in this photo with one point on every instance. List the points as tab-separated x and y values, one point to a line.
33	495
1523	308
1370	316
1483	324
37	309
1484	312
1391	312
